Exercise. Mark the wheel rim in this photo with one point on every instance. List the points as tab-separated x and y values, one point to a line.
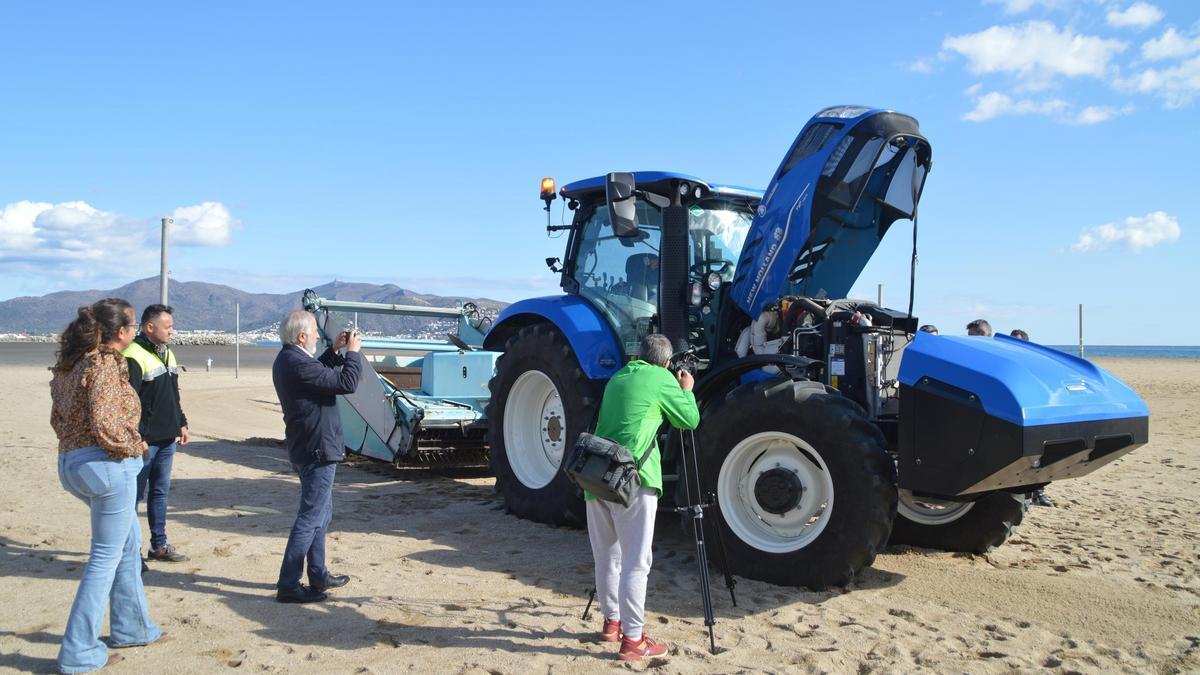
929	510
775	492
535	429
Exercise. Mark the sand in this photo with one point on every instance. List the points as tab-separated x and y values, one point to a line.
445	581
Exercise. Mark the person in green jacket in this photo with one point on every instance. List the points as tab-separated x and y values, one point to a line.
637	400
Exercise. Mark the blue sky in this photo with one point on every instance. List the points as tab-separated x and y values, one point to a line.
295	143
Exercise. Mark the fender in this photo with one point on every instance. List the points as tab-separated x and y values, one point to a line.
721	378
586	330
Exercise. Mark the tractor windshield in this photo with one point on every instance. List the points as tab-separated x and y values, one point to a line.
718	231
619	275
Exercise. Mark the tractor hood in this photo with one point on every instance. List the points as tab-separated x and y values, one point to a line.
849	175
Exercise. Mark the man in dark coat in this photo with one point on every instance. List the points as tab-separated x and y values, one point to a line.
308	386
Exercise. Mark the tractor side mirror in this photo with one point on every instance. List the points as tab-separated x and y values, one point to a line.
622	205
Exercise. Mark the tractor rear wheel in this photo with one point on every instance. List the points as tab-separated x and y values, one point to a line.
804	481
540	402
970	527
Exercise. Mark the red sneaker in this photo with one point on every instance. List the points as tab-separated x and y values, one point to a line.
611	631
635	651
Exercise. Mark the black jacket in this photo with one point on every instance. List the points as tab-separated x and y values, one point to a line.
162	415
307	390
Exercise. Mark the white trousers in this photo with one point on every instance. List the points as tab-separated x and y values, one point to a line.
621	538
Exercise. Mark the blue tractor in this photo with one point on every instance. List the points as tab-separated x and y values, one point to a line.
830	427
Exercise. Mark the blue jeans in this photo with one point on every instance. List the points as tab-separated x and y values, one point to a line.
307	539
112	578
156	475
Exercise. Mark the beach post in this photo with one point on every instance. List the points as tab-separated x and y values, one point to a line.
162	272
1081	330
237	339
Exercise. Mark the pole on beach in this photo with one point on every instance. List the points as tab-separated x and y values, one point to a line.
1081	330
237	339
162	272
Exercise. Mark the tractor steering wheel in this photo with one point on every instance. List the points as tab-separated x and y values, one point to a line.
705	266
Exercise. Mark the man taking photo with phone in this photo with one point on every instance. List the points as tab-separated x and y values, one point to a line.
308	387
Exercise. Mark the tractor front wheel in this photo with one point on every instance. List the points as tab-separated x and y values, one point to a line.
540	402
804	481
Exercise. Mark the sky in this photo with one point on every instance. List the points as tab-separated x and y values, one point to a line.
295	143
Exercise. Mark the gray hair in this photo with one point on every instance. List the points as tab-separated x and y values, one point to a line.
655	348
293	324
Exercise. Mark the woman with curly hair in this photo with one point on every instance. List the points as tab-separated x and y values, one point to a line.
95	414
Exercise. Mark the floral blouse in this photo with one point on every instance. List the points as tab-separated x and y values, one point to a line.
94	405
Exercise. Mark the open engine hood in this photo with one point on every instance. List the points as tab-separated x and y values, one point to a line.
849	175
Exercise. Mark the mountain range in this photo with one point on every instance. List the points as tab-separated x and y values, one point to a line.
203	306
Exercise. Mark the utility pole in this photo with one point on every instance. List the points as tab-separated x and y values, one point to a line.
1081	330
237	339
162	272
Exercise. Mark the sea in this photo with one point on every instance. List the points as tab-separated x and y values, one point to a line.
262	355
1132	351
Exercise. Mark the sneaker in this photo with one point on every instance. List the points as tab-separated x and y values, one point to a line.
636	650
611	631
166	554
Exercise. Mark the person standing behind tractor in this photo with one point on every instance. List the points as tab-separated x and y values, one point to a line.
979	327
308	387
636	400
154	375
95	415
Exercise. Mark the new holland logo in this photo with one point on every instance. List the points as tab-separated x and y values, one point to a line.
778	235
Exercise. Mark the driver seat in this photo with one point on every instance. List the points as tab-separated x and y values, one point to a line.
641	271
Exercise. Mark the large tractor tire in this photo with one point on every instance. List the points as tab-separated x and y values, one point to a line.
540	402
805	484
970	527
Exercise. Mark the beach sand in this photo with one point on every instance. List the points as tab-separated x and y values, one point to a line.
445	581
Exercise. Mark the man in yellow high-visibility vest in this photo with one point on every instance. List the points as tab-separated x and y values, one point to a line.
154	375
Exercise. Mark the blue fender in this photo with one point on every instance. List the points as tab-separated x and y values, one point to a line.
587	331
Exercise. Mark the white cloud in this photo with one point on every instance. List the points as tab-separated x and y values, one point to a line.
996	104
1135	234
207	224
923	66
1022	6
1170	45
1095	114
77	240
1177	86
16	225
993	104
1036	52
1138	15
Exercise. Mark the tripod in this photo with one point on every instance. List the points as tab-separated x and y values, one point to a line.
696	504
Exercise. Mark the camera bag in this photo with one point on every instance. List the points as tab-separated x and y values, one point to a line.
604	469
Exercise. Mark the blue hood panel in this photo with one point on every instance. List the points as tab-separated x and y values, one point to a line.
829	204
1021	382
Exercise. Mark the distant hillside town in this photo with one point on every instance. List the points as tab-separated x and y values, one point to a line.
204	312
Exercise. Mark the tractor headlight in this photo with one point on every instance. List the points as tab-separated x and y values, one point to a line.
713	280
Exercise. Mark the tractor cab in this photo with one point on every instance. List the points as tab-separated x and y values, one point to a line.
619	268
